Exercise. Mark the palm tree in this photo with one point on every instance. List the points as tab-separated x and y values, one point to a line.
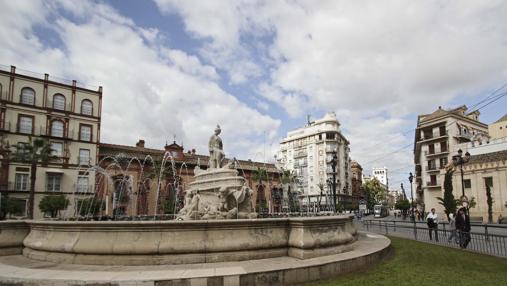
258	176
288	179
36	151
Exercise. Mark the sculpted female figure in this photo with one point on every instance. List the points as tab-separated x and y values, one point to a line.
216	153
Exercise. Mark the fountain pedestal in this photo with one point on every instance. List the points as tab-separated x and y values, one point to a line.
217	193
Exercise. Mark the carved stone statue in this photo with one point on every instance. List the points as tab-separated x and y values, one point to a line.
216	153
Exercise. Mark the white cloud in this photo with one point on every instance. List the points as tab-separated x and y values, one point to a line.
150	91
373	62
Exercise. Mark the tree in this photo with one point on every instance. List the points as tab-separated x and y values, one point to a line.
259	176
53	204
288	180
448	201
375	193
8	206
36	151
90	206
489	201
402	205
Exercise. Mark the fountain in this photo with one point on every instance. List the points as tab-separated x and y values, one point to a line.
218	192
217	230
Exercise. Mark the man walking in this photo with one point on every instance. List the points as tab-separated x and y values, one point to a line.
432	221
463	227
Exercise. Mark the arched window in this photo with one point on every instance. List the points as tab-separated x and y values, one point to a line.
57	128
86	107
28	96
59	101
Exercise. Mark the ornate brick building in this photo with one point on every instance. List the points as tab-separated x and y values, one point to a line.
130	179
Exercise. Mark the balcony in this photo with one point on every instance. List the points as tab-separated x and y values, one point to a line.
430	169
427	137
67	107
84	161
433	184
46	132
85	189
11	187
436	153
5	126
464	136
300	154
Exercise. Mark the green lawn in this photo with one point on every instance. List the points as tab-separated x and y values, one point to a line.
417	263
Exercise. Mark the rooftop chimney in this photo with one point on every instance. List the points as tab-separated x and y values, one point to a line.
140	143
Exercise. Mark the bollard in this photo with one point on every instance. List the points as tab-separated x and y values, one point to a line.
486	231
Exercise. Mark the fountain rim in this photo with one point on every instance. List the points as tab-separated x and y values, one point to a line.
343	217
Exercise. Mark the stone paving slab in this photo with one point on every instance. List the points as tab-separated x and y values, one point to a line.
19	270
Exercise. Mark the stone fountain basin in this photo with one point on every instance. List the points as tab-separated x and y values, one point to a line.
182	242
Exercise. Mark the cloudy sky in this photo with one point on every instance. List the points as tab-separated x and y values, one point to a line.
258	68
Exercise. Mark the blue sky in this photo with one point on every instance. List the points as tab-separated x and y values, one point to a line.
258	68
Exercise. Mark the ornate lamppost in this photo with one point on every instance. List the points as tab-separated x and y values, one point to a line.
460	160
410	179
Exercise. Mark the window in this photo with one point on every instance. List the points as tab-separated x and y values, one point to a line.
25	124
82	184
489	181
57	149
431	165
443	162
86	107
85	132
28	96
433	180
21	182
59	101
53	181
467	183
442	130
57	128
84	157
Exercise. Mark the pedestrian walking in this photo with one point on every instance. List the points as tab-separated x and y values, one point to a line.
463	227
452	226
432	221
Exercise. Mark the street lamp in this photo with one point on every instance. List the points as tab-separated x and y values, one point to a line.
410	179
460	160
334	162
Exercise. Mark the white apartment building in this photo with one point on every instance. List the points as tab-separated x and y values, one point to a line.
308	151
381	175
64	114
436	137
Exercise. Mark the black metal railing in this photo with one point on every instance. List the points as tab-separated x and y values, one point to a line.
484	238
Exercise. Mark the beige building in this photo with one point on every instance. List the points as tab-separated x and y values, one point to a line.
481	170
66	115
499	128
436	136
